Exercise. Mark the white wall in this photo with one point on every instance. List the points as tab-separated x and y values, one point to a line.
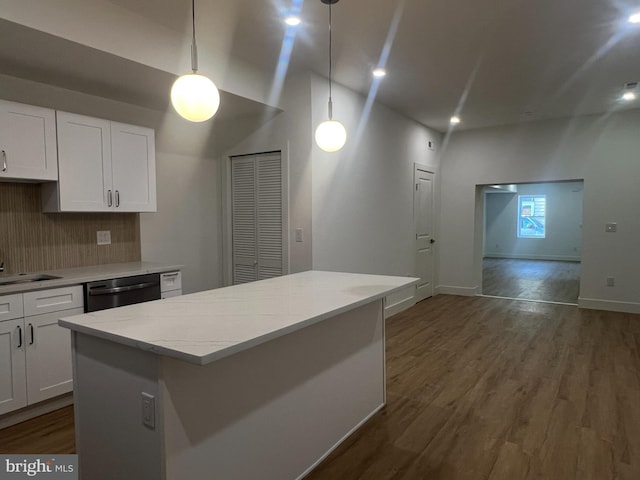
602	150
186	228
109	27
563	221
363	194
360	199
290	133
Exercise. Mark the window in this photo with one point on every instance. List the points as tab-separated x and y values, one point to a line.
531	216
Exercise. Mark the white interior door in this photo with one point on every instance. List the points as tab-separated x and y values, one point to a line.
257	217
423	217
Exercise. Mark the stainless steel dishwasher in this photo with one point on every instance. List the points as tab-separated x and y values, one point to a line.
118	292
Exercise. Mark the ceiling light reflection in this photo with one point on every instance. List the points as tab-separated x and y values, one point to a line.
292	20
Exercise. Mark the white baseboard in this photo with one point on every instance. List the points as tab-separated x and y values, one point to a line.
451	290
33	411
523	256
399	301
610	305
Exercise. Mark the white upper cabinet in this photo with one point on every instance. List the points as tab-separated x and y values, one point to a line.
104	167
27	142
133	163
84	150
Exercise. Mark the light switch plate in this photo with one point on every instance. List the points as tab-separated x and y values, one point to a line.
148	410
104	237
299	235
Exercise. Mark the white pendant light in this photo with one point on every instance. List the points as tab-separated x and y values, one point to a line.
194	96
330	134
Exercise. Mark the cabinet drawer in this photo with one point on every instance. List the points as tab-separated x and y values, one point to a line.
54	300
171	294
170	281
10	306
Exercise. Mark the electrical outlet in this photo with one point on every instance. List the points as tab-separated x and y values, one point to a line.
611	228
148	410
611	281
104	237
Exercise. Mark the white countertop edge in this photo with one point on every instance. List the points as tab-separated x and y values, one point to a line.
237	347
79	275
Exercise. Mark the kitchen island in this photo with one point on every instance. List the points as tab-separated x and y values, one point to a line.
254	381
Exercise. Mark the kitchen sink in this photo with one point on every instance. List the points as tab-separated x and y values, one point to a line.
25	278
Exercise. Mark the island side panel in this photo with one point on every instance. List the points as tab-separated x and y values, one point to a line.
112	442
274	411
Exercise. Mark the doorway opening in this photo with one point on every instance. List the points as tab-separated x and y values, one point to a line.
531	241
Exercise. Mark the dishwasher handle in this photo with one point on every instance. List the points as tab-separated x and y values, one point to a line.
127	288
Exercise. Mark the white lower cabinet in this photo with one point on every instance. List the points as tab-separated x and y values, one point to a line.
35	352
49	372
170	284
13	380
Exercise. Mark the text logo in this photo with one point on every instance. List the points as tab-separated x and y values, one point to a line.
58	467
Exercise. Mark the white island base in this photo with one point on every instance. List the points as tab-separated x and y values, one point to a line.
271	411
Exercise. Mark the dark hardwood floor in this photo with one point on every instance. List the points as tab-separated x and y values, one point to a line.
485	389
52	433
482	388
545	280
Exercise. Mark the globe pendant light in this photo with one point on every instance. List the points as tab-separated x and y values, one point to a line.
330	134
194	96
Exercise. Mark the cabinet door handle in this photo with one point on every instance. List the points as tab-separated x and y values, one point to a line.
19	336
32	335
109	198
4	161
117	198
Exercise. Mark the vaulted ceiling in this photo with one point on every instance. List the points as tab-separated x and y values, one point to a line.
492	62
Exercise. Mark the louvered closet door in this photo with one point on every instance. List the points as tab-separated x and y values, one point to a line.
257	217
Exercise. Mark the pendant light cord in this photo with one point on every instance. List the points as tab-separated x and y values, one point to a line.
194	48
330	66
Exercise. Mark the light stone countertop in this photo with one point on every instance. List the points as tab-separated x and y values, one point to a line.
203	327
77	276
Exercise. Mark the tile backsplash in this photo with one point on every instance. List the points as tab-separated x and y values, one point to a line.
31	241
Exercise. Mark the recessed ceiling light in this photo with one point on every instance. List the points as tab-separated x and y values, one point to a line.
379	72
455	120
635	18
629	92
292	20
